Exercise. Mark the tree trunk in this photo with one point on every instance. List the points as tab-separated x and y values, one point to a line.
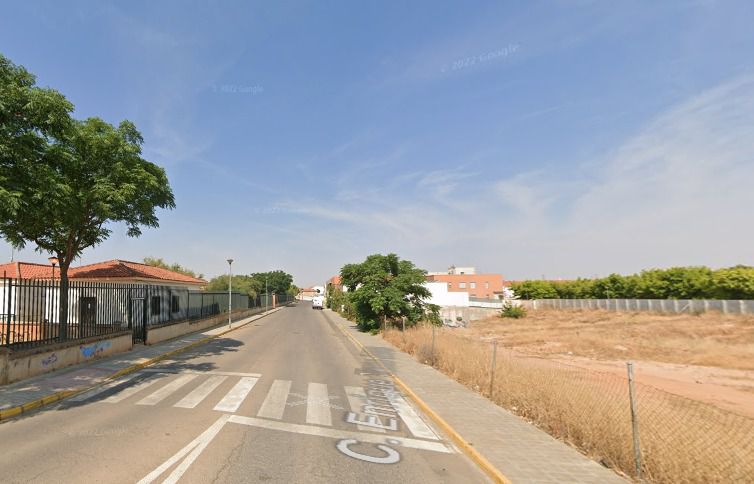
63	307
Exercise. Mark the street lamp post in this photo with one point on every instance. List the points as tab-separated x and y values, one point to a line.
54	262
266	296
230	284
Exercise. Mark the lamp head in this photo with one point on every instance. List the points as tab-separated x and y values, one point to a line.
230	261
53	261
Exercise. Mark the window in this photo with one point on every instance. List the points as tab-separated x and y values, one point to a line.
462	285
486	285
472	285
175	304
450	285
155	305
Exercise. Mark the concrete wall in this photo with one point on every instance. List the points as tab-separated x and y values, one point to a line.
166	332
19	365
467	313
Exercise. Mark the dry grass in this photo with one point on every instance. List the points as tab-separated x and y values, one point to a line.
711	339
682	440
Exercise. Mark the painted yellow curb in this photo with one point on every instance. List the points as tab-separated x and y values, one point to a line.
467	447
54	397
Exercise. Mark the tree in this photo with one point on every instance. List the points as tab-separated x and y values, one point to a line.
535	289
734	282
277	282
384	288
158	262
65	182
242	284
32	119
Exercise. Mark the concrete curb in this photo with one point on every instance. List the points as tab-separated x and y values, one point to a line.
467	447
56	397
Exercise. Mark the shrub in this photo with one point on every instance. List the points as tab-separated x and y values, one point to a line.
511	311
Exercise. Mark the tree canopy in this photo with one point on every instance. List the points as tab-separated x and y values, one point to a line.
385	288
278	282
672	283
175	267
64	182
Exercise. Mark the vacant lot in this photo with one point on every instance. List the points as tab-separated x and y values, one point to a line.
709	357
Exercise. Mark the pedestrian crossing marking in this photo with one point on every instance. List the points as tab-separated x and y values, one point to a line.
129	391
201	392
316	412
166	391
107	386
235	397
275	402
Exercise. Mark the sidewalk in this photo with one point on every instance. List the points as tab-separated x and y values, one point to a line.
520	451
41	390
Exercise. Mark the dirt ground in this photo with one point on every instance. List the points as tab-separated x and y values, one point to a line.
708	357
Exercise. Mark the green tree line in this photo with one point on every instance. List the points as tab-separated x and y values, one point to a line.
278	282
674	283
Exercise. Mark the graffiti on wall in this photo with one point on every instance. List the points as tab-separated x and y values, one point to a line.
50	360
94	349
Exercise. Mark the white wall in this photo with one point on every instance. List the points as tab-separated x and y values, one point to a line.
442	297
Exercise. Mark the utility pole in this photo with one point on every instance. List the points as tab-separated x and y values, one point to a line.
266	296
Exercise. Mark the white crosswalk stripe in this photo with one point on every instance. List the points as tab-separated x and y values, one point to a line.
201	392
132	390
166	391
235	397
412	420
274	404
318	405
107	386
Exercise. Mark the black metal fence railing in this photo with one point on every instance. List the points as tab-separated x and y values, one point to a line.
30	310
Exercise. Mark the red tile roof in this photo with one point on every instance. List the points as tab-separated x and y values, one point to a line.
26	270
112	269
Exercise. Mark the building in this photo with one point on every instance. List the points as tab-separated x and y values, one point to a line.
465	279
115	290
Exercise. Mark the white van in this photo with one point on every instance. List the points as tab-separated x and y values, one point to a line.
317	302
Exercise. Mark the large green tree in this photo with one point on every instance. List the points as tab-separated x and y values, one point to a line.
66	181
278	282
385	288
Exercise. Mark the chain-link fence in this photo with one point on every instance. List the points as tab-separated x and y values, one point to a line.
679	439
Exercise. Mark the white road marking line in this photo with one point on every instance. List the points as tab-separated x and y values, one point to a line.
413	421
235	397
166	391
197	445
201	392
357	399
405	442
318	405
132	390
103	388
274	403
196	372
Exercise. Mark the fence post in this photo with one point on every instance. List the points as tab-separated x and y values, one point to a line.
492	369
403	329
433	345
634	419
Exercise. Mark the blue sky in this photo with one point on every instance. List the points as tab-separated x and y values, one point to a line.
558	138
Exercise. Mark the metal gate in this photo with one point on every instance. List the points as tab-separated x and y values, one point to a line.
137	317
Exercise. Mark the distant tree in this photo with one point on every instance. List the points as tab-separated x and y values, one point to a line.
158	262
384	288
241	284
63	182
734	283
535	289
277	282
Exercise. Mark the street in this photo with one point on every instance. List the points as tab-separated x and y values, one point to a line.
287	398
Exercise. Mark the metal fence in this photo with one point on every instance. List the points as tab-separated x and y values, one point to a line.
30	310
647	433
658	305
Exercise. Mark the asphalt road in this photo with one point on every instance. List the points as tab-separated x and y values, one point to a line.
287	398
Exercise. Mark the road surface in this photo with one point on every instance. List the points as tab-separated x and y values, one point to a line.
288	398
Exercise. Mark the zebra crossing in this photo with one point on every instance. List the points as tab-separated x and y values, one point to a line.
374	409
